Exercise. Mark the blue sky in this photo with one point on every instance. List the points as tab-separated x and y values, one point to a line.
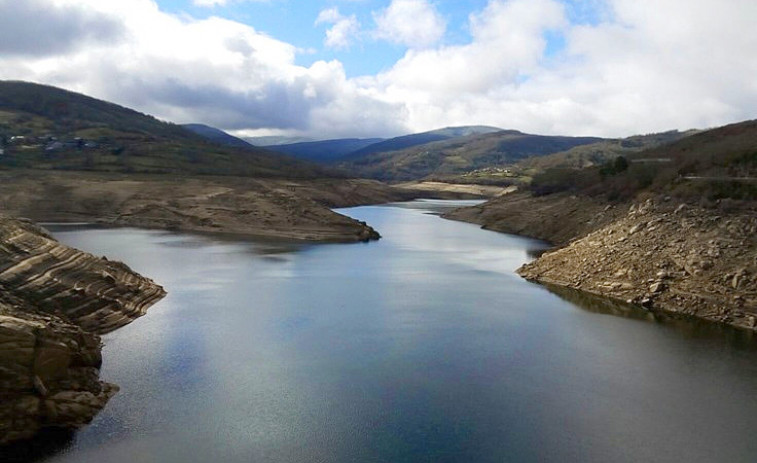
368	68
293	21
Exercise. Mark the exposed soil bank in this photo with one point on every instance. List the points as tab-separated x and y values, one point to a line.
298	210
659	255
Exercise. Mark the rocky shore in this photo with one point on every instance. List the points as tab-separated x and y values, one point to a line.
55	301
658	254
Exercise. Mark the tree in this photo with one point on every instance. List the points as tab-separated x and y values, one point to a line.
620	164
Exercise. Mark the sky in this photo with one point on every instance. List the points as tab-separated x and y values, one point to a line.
377	68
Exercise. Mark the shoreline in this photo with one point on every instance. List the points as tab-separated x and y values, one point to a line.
659	256
55	303
299	210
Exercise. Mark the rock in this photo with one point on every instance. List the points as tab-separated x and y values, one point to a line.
54	300
657	287
691	265
636	228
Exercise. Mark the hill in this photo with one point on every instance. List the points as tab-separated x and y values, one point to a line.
606	150
458	155
325	151
583	156
273	140
43	127
408	141
706	166
672	229
216	135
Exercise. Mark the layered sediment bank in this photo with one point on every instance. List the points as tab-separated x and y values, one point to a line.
55	301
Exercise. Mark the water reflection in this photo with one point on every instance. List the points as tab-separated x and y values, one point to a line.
687	327
423	346
47	442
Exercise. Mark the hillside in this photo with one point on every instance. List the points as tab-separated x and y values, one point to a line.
671	229
582	156
44	127
216	136
707	166
274	140
595	154
325	151
416	139
458	155
69	157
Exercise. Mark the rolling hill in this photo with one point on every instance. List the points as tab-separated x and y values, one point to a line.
325	151
456	155
416	139
43	127
708	165
216	135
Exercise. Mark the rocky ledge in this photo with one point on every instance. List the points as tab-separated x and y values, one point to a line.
54	303
665	257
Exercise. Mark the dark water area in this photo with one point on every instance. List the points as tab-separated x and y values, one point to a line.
422	347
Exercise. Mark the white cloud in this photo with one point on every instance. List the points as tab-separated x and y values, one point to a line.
343	28
215	71
640	66
645	66
413	23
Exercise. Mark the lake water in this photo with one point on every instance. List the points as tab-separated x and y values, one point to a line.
422	347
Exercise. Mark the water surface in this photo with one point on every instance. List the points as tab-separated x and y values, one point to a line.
424	346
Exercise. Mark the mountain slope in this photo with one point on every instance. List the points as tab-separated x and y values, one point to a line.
458	155
603	151
44	127
672	229
325	151
709	165
216	136
408	141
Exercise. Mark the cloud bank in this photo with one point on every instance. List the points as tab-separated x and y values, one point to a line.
639	66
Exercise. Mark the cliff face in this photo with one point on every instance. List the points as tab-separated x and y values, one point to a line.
54	301
665	257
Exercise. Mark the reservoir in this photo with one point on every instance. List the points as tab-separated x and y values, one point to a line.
422	347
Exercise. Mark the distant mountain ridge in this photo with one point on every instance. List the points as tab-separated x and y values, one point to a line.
275	140
416	139
453	155
216	135
325	151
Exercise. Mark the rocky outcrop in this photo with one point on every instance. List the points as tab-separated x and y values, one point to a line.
665	257
54	303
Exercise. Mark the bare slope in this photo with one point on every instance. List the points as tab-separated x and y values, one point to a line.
674	231
276	208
